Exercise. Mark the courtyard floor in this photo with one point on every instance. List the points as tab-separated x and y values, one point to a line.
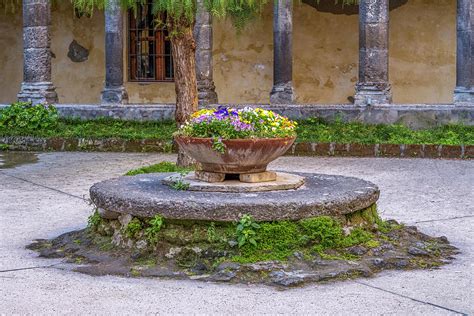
48	196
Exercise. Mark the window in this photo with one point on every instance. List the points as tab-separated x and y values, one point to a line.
149	49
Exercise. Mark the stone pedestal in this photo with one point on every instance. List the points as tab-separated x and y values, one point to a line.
203	36
147	195
114	91
464	91
373	86
282	91
37	86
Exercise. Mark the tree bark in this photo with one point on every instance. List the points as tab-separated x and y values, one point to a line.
184	62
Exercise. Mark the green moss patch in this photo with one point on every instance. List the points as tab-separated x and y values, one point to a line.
283	253
247	241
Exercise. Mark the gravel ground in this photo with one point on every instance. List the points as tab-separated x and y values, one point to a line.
46	198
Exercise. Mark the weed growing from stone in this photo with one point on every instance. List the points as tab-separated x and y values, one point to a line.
180	185
246	231
94	220
155	225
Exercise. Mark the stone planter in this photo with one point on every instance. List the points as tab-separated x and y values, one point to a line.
241	155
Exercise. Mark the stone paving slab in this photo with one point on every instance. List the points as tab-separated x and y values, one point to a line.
45	204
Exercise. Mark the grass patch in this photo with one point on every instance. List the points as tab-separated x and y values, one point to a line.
316	130
164	166
99	128
310	130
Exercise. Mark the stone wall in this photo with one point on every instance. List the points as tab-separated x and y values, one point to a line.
422	57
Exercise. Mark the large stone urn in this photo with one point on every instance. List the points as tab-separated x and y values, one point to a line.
241	156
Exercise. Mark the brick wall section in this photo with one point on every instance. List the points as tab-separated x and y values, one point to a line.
28	143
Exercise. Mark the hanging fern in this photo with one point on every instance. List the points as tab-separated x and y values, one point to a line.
240	11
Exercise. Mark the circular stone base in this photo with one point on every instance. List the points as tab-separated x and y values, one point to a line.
284	181
146	196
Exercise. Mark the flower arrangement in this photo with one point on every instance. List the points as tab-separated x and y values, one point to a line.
229	123
235	141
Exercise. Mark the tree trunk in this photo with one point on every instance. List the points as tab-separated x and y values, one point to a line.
184	62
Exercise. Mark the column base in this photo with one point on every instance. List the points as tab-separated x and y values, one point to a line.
114	96
372	94
206	93
282	94
464	96
38	92
207	97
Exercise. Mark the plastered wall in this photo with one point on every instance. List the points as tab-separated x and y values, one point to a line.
422	57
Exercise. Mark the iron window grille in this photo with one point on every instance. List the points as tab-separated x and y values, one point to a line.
149	49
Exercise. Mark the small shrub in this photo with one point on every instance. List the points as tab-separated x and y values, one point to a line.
151	232
133	227
28	117
246	231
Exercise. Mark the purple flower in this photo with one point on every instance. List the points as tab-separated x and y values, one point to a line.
202	118
221	111
241	126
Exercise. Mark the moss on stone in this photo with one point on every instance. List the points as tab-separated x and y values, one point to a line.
133	228
367	216
94	220
280	240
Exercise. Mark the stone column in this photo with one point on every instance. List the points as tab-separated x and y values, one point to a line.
464	92
114	91
203	36
37	86
373	86
282	91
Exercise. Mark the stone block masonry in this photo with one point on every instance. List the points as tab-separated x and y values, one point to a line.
28	143
37	86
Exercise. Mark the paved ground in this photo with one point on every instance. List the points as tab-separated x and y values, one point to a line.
46	198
